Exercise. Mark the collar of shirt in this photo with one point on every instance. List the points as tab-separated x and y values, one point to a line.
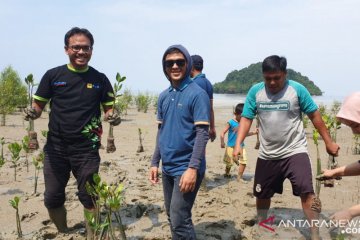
183	85
199	76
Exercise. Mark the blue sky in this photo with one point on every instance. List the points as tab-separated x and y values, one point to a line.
319	38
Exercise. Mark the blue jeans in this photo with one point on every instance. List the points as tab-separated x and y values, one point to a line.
178	206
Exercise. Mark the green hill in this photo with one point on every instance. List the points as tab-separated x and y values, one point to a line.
240	81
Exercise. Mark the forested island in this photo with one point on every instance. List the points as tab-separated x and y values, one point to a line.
240	81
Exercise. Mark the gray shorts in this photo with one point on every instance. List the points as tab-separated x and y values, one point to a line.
270	176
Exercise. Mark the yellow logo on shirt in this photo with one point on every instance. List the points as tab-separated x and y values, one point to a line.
89	85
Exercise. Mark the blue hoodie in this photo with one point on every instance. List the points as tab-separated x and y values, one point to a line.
186	55
179	111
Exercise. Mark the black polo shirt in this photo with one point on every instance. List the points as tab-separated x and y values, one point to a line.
75	99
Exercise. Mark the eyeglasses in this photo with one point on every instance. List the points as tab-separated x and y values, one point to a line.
179	62
77	48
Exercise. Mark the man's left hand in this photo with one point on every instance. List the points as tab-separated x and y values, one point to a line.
188	180
212	134
113	118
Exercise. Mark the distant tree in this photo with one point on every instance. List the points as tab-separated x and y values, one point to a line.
13	93
240	81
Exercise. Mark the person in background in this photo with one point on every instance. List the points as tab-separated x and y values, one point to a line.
75	92
183	132
232	127
349	115
201	80
279	104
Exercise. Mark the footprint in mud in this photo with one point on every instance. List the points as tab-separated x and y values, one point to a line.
28	217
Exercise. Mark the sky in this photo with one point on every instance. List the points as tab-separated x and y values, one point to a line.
319	38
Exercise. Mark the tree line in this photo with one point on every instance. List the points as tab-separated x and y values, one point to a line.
240	81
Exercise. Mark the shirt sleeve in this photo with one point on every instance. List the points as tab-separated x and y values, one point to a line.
307	104
107	99
250	108
44	91
210	90
201	109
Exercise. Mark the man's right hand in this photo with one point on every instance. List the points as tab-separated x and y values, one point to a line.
30	113
332	149
154	175
237	151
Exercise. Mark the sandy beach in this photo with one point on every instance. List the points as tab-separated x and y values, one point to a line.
224	208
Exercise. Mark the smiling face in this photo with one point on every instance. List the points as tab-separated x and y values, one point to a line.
79	51
175	67
275	81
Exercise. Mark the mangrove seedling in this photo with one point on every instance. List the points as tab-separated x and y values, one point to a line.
15	204
115	94
15	149
318	161
356	148
108	199
141	147
2	159
25	147
38	162
33	142
332	124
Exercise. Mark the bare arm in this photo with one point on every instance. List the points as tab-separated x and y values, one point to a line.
212	131
243	130
331	147
222	136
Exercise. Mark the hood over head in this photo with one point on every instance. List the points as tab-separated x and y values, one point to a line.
350	109
186	55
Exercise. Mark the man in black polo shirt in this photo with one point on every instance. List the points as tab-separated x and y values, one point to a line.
75	92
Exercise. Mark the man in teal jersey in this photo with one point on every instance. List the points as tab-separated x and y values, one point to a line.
75	92
279	103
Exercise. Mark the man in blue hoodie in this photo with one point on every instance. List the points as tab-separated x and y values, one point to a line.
183	125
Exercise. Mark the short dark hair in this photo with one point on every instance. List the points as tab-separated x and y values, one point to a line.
239	108
198	62
274	63
77	30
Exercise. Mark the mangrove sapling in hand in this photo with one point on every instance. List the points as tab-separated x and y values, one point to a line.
15	149
141	147
33	142
38	162
332	124
318	161
25	147
106	198
2	159
114	119
15	204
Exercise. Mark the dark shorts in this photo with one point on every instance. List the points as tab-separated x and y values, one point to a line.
270	176
57	168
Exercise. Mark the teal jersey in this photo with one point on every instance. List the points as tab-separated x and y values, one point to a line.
280	116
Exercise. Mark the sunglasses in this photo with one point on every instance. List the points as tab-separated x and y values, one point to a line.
179	62
77	48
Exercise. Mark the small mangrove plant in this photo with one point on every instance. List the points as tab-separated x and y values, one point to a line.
110	147
38	162
140	147
2	159
15	204
107	200
33	142
25	147
15	149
